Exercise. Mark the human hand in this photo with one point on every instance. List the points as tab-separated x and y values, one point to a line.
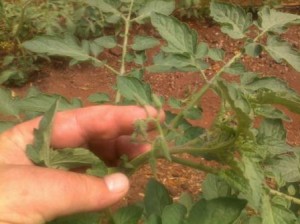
32	195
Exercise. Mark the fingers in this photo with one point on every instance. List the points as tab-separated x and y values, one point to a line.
76	127
98	123
111	150
57	193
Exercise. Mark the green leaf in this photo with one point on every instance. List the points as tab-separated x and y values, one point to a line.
271	130
281	50
113	19
239	104
8	104
140	58
82	218
292	102
66	47
214	187
202	50
271	83
186	199
133	89
5	125
71	158
272	214
272	137
173	214
13	75
254	220
173	62
216	54
9	59
234	19
248	77
106	42
269	111
253	49
193	113
270	90
95	49
41	103
97	169
181	39
127	215
174	103
235	179
188	134
39	151
286	167
103	6
220	210
236	68
156	6
253	173
271	20
153	219
99	98
141	43
156	198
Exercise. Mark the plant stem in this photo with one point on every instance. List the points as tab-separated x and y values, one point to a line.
140	160
194	100
199	68
127	21
288	197
194	165
125	41
203	90
106	65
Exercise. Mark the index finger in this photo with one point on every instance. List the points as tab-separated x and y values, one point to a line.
76	127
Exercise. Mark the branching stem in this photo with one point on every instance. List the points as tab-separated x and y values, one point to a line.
194	165
288	197
195	99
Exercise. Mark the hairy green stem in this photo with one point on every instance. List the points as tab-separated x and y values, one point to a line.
127	21
140	160
201	150
125	41
199	69
195	99
194	165
209	83
105	65
288	197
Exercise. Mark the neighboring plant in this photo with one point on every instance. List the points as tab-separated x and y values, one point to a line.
193	8
200	8
257	177
22	20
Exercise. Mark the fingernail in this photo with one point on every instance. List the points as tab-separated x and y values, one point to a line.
117	183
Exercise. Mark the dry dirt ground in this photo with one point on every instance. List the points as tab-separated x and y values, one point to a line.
81	81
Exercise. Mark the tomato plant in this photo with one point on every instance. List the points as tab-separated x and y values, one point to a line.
249	156
22	20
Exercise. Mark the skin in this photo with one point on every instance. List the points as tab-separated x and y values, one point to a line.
34	195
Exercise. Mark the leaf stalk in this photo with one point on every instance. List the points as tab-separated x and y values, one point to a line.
288	197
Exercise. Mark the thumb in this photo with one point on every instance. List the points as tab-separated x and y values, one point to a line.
34	195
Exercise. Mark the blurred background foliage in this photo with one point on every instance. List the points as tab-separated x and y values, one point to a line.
21	20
